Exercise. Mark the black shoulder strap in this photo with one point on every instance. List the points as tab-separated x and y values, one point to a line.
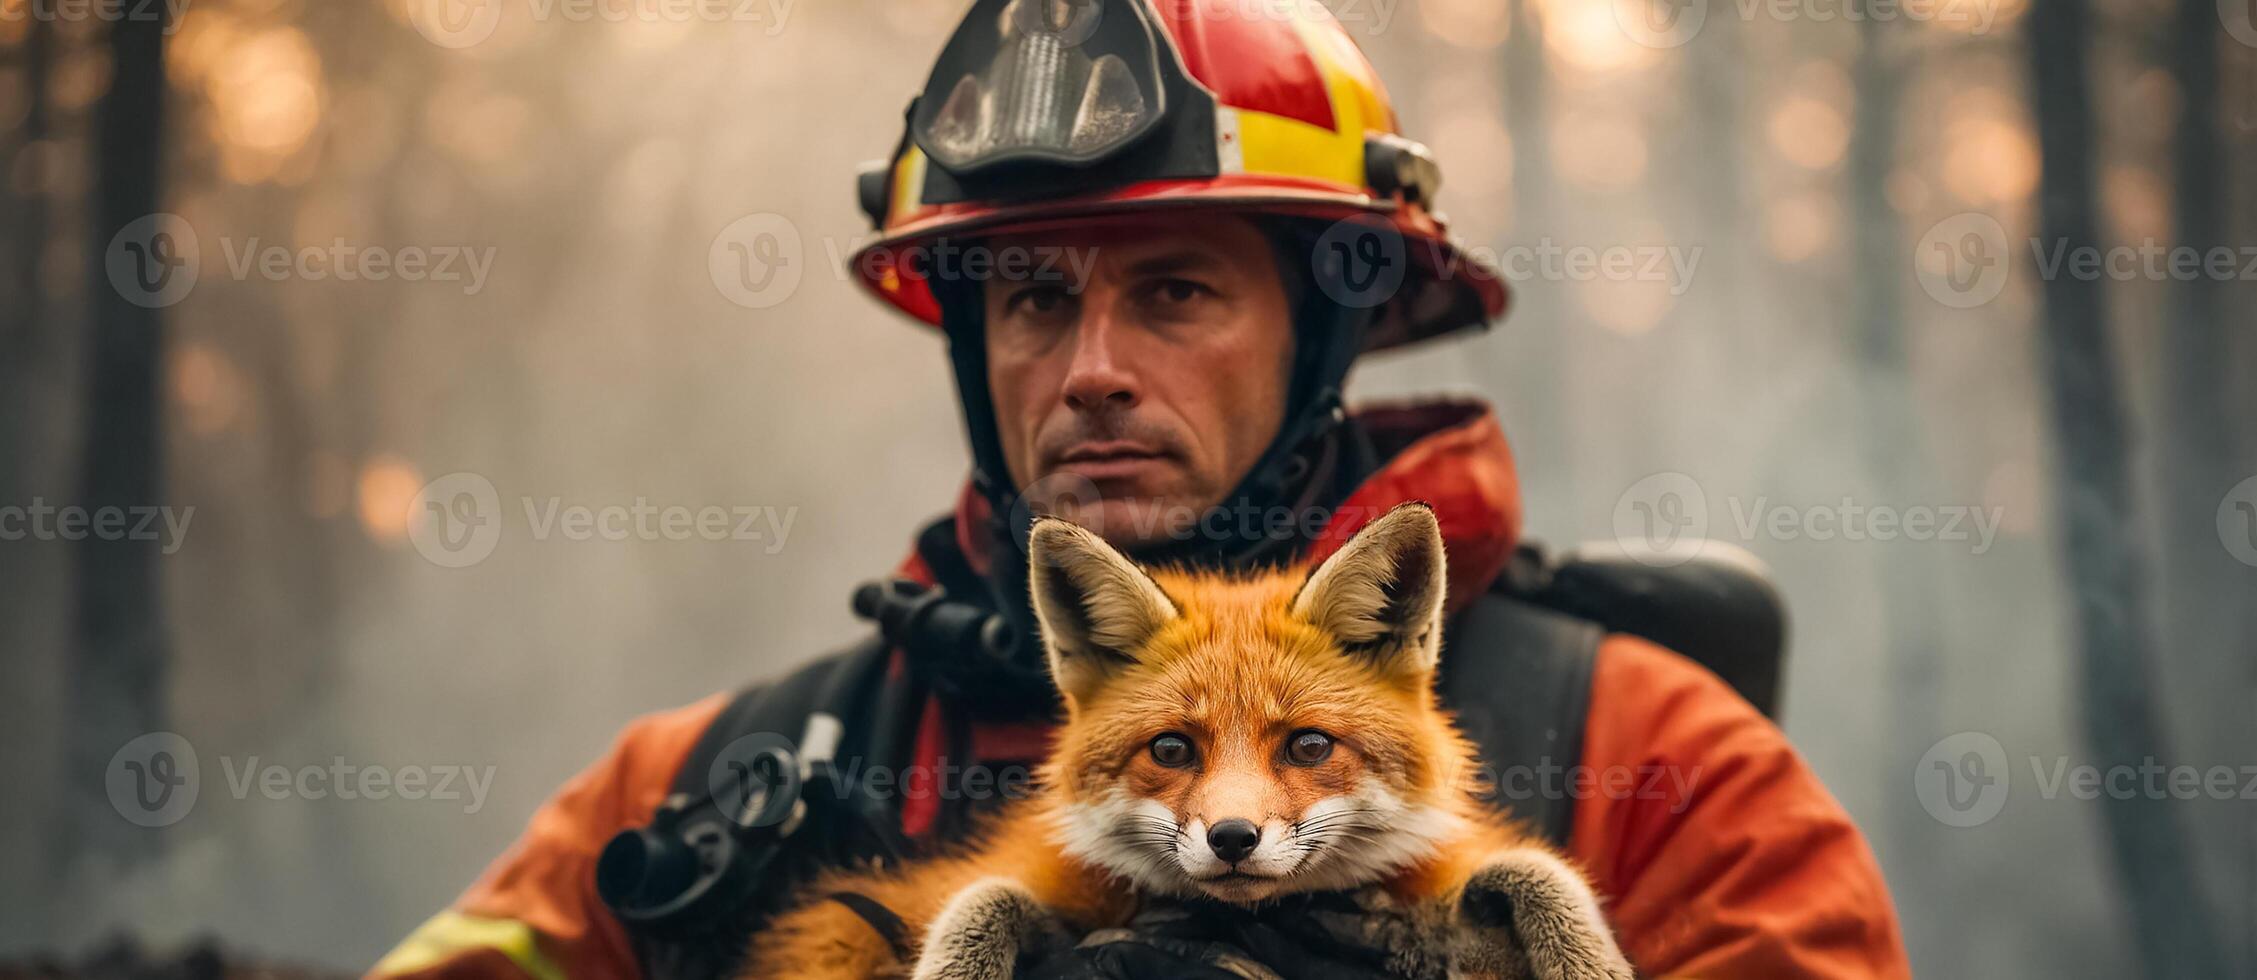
1518	676
691	886
831	685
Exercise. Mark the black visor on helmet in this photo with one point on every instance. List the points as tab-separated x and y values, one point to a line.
1039	98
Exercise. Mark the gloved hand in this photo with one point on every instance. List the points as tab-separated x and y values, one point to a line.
1326	937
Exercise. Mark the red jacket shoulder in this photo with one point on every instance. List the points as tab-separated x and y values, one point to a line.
1721	852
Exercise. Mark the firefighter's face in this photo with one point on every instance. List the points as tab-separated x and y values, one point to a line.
1138	368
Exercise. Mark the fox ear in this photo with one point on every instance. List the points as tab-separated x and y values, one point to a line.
1096	607
1381	594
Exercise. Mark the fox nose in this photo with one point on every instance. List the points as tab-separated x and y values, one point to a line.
1233	839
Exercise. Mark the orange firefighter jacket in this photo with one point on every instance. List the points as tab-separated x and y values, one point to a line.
1733	861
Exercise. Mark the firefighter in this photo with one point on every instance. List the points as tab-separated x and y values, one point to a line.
1155	236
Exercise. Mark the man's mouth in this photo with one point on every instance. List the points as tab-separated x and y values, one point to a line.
1110	460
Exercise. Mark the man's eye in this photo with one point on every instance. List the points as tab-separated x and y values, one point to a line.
1308	747
1179	291
1040	300
1172	750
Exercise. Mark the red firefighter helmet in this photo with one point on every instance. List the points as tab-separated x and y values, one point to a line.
1047	112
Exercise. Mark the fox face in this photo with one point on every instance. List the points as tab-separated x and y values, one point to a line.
1245	738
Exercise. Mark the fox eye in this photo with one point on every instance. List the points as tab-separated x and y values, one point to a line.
1172	750
1308	747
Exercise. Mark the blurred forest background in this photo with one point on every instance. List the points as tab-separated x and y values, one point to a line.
1810	159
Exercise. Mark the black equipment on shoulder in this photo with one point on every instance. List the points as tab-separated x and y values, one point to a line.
753	815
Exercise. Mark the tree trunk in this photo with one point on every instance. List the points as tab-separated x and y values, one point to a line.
1896	461
2170	924
1535	356
116	678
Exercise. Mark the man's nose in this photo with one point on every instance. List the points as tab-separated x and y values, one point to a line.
1233	840
1098	378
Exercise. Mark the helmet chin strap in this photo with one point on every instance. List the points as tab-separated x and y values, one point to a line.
1315	459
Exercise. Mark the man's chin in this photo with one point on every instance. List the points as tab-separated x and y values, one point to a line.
1134	522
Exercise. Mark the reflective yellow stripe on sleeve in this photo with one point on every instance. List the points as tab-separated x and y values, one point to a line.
450	934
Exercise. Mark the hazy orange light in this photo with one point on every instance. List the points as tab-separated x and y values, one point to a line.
206	387
1991	162
1631	307
2137	202
1598	151
1800	226
387	488
264	89
1809	133
1468	23
1584	34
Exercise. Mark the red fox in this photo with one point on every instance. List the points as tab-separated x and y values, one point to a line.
1234	739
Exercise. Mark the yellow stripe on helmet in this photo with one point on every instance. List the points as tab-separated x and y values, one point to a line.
1281	146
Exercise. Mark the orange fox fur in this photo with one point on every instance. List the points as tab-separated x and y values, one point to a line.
1237	667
